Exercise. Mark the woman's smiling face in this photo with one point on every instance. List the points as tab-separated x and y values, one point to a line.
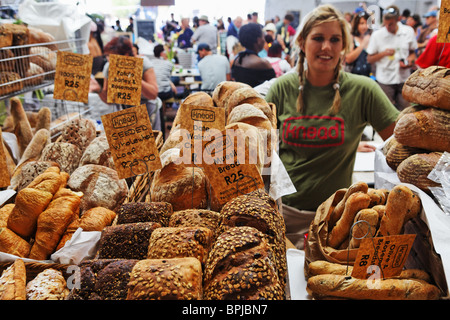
323	46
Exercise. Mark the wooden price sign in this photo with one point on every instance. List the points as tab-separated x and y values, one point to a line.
4	173
382	256
124	80
228	167
72	76
131	140
444	22
199	123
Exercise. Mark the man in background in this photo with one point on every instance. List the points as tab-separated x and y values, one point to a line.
205	33
214	68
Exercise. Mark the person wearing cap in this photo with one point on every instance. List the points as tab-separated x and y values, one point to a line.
205	33
270	29
213	68
431	25
392	50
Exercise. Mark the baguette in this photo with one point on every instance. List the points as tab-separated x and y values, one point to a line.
339	209
325	267
22	127
13	282
386	289
355	202
34	149
398	204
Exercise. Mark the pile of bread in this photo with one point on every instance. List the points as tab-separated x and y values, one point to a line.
61	185
31	64
152	252
186	186
360	212
422	132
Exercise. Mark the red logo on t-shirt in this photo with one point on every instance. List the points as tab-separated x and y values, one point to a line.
313	131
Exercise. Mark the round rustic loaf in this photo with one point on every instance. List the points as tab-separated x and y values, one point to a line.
66	155
416	168
245	95
98	152
79	131
223	91
100	185
199	99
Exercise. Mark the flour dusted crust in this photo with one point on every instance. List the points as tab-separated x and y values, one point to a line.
98	152
80	132
66	155
47	285
100	185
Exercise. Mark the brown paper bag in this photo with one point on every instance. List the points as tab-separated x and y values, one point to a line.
316	247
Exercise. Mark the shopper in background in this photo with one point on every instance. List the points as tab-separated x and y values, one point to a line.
274	56
285	33
321	113
415	23
435	54
213	68
205	33
356	59
149	87
392	50
431	25
184	34
163	70
248	67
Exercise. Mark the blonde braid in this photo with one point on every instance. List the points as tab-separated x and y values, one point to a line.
300	69
335	107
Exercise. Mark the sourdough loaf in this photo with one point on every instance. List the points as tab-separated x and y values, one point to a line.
98	152
223	91
66	155
100	185
429	87
25	173
79	132
416	168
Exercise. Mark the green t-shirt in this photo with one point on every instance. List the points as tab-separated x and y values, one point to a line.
317	149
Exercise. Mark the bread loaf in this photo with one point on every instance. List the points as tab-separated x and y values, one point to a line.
52	223
244	95
22	127
126	241
196	217
255	211
44	119
429	87
382	289
13	282
241	267
44	58
100	185
199	99
79	132
133	212
426	129
6	36
13	244
26	172
399	152
98	152
39	36
5	211
103	279
355	202
182	186
10	82
153	279
47	285
34	75
180	242
66	155
37	144
223	91
416	168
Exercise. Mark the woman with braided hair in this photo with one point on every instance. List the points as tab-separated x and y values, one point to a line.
322	112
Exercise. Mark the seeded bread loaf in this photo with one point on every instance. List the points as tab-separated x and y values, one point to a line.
126	241
133	212
66	155
166	279
80	132
241	267
180	242
196	218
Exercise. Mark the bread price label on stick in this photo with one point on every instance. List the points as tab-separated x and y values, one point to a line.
382	257
131	141
230	167
124	80
72	76
198	124
444	22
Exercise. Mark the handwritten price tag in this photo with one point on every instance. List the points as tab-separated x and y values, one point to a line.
386	255
124	80
72	77
228	171
132	142
444	22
